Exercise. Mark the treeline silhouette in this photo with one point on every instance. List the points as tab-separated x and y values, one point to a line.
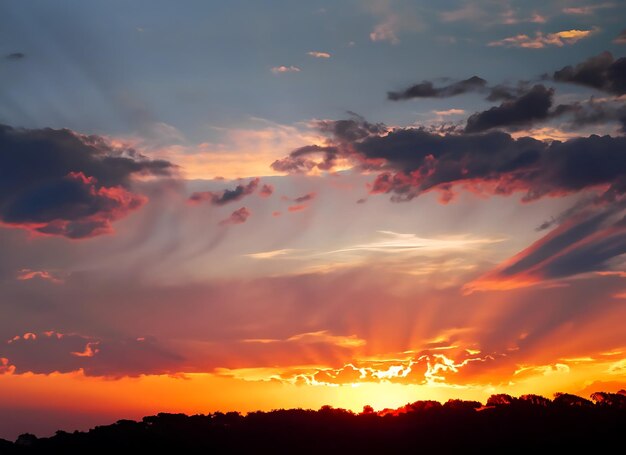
530	423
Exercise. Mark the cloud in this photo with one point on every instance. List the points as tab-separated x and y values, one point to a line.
594	112
305	198
226	196
297	208
602	72
585	242
541	40
57	182
587	10
266	190
49	352
474	84
394	19
621	38
490	14
239	216
297	162
398	243
270	254
427	89
317	54
411	161
15	56
28	274
449	112
301	160
285	69
531	106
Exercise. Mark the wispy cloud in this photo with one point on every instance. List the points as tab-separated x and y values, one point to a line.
496	13
270	254
394	242
393	20
587	10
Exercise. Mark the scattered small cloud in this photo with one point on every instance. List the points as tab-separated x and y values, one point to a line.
285	69
541	40
317	54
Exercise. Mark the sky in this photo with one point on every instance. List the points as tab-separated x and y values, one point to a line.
254	205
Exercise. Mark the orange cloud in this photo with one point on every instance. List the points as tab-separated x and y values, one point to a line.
541	40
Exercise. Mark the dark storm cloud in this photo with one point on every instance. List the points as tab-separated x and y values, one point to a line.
528	108
495	163
427	89
60	183
602	72
226	196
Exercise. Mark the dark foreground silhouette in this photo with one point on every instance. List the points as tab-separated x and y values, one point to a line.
530	423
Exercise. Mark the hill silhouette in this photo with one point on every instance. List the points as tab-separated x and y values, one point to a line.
505	424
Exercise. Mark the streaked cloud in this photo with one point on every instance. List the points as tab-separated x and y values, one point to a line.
393	242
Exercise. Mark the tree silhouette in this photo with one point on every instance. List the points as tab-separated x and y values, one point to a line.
505	424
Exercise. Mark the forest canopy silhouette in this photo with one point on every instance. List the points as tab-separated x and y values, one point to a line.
504	424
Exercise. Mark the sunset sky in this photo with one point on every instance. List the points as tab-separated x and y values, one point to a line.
252	205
